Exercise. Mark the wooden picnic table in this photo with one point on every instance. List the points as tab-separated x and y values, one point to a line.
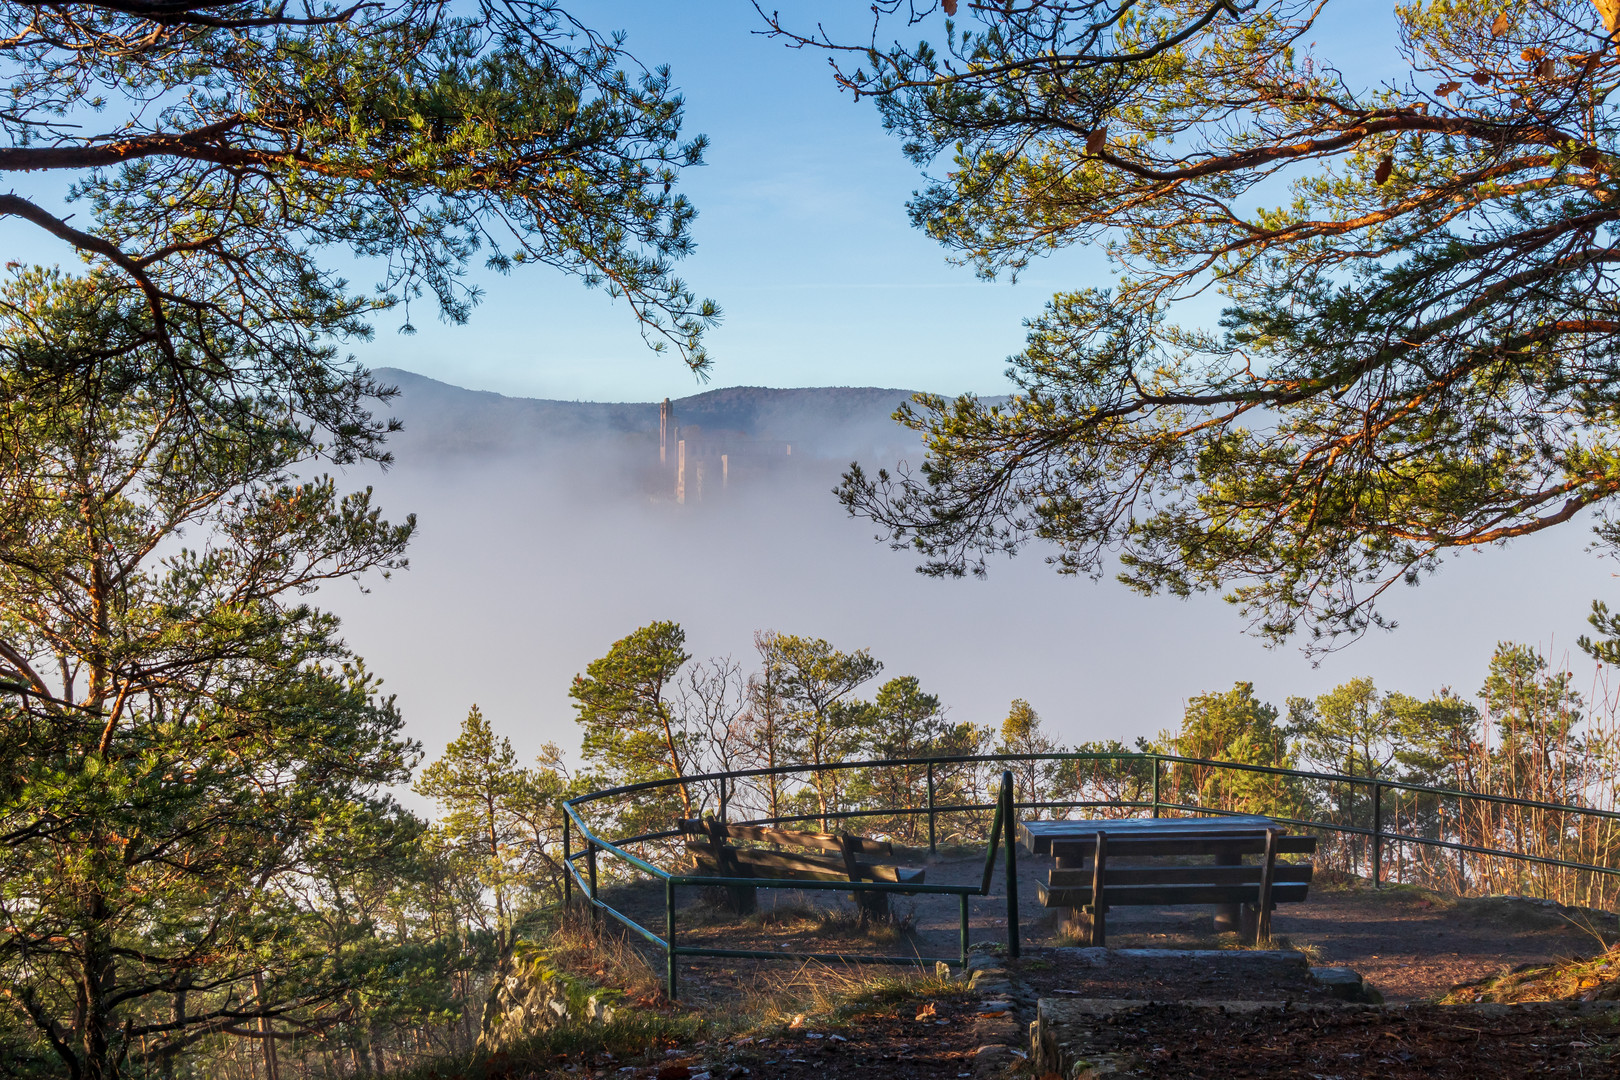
1217	832
1224	841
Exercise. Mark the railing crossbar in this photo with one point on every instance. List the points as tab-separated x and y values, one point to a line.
1002	831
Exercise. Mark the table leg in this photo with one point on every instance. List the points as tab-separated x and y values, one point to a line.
1078	923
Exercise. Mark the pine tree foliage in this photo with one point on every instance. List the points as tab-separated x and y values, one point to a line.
194	815
227	158
823	725
1418	349
498	821
625	702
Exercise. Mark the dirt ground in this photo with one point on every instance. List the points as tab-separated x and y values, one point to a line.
1410	945
912	1040
1401	1044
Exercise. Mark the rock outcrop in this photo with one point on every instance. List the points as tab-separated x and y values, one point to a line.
531	995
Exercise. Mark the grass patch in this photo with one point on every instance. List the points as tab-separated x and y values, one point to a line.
882	992
1517	912
1071	936
1284	943
630	1038
608	958
1595	978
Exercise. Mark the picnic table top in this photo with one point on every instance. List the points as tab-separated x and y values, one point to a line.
1037	836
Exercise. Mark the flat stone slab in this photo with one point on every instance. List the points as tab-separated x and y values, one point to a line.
1285	958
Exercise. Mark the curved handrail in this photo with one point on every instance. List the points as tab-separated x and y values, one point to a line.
1003	825
1173	759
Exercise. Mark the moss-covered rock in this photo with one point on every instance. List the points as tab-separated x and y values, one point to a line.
532	995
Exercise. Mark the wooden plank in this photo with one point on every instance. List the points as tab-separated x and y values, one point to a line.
766	834
764	864
1038	835
1167	895
744	900
872	905
1099	891
706	862
1182	875
1120	846
847	851
1267	879
1210	838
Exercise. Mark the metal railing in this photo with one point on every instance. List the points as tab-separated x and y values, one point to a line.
1002	834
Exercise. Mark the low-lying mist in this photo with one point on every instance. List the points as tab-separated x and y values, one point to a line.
547	531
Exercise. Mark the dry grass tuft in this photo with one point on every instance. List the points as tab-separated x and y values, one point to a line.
1594	978
607	957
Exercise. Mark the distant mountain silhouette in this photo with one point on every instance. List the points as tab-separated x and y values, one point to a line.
835	421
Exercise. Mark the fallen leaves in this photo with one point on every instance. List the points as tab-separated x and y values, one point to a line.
928	1010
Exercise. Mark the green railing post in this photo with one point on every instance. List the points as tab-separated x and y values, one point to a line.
1378	836
568	866
932	848
669	937
1009	820
962	901
590	878
1156	786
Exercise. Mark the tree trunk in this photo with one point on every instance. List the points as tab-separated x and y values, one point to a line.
675	763
271	1066
97	973
1609	11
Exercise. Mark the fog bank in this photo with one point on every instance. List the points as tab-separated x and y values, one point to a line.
546	532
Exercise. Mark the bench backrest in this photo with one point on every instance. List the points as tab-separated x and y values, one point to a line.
711	845
719	832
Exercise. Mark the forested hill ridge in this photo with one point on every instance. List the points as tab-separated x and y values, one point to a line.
831	421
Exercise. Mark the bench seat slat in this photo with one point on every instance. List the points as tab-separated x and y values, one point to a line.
1128	846
1181	875
1156	895
753	862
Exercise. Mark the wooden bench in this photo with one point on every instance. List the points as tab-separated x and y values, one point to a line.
713	848
1086	882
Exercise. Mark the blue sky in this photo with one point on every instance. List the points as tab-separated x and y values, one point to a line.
802	232
803	240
